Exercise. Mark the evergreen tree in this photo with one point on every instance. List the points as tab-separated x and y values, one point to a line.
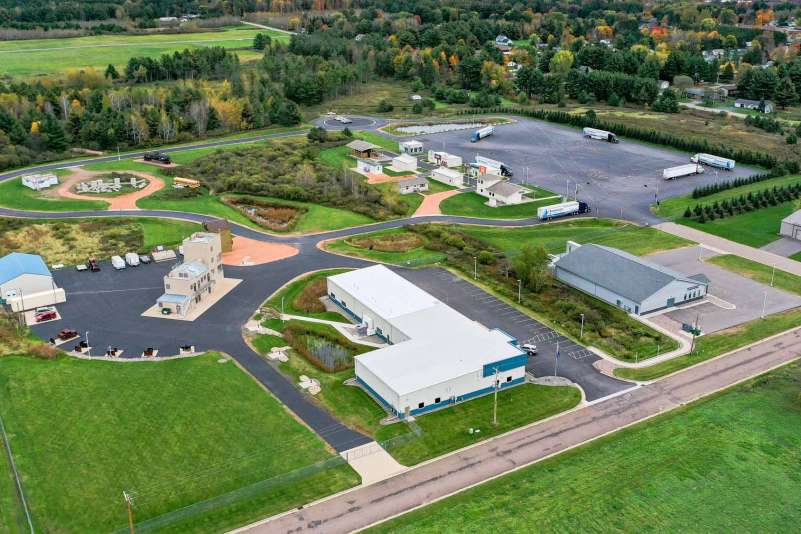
785	93
53	133
111	72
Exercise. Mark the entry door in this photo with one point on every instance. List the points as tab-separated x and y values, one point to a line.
671	302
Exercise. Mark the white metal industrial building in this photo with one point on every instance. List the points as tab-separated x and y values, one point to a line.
436	356
791	226
26	282
626	281
448	176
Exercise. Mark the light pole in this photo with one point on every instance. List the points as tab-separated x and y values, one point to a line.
581	332
88	348
475	267
772	275
519	290
556	359
495	400
764	303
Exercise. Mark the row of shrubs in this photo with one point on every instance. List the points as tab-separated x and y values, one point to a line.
743	203
711	189
688	144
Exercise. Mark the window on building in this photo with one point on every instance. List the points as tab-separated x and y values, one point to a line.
166	286
508	378
421	404
436	401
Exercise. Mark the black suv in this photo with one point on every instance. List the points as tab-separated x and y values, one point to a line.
160	157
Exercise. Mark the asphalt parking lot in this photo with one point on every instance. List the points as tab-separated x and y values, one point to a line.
626	176
735	298
356	123
575	361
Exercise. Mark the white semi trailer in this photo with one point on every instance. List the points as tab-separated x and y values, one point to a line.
680	171
601	135
481	133
562	209
714	161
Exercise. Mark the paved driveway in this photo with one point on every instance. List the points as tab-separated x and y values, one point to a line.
575	361
746	295
626	176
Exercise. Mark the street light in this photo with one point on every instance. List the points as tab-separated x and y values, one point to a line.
88	348
581	333
764	303
772	275
475	267
519	290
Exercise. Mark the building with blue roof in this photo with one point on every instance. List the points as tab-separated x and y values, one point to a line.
26	282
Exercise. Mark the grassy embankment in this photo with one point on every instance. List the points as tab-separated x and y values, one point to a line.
199	447
442	431
397	246
756	228
687	471
712	345
71	241
474	205
47	56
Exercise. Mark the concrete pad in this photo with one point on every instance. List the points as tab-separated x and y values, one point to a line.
373	463
784	246
30	317
430	204
223	288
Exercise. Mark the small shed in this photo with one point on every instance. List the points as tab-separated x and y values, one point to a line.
369	166
37	182
505	193
448	176
362	149
412	147
412	185
404	162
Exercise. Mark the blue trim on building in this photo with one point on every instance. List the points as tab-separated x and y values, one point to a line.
465	397
376	396
505	365
344	308
512	339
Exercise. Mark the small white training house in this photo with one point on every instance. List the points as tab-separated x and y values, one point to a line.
37	182
444	159
448	176
411	147
404	162
26	282
436	356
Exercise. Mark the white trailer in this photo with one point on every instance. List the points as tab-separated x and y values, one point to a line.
118	263
481	133
682	170
492	166
714	161
132	259
601	135
560	210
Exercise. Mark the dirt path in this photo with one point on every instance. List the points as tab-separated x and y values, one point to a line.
251	252
430	205
125	201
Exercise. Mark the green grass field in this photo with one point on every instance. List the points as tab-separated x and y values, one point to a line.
553	236
435	186
760	272
724	464
48	56
473	205
172	432
755	228
712	345
448	429
16	196
165	231
415	256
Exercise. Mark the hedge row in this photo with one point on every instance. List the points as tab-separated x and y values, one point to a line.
706	190
688	144
744	203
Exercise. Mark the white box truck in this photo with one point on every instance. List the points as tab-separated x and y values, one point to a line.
714	161
601	135
132	259
682	170
562	209
481	133
118	263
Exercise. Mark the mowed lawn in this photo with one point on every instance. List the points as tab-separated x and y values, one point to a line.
16	196
171	432
474	205
755	228
553	236
46	56
726	464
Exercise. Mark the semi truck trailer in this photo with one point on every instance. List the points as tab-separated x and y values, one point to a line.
601	135
562	209
681	171
714	161
481	133
492	166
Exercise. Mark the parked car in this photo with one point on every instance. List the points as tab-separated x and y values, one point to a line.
81	267
529	348
48	315
118	263
159	157
132	259
67	333
93	265
144	258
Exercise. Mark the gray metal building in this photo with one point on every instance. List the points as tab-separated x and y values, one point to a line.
791	226
627	281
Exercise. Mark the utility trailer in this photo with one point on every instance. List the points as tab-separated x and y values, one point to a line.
481	133
714	161
601	135
562	209
680	171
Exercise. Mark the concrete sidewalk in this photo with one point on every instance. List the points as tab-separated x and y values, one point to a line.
726	246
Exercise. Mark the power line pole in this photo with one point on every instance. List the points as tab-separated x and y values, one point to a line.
495	401
129	505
